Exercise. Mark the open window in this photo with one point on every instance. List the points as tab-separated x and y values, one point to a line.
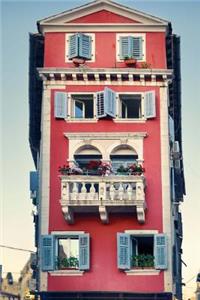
66	251
143	251
82	106
130	106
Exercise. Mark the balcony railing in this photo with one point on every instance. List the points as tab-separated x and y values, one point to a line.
106	194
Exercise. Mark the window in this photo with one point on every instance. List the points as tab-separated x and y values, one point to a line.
82	106
131	106
137	106
146	250
131	45
80	45
65	251
122	157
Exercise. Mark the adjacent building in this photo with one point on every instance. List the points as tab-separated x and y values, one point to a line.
105	136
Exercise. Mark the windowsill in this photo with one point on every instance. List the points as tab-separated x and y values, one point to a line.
66	273
81	120
120	120
144	272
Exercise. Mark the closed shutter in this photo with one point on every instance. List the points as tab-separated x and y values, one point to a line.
100	104
150	105
171	129
160	251
123	251
60	105
137	48
110	102
124	46
73	46
84	251
33	181
47	253
85	46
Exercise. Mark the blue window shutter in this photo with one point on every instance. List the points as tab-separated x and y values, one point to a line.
137	47
110	102
85	46
84	251
150	104
47	253
73	46
124	46
160	251
100	104
33	181
60	105
123	251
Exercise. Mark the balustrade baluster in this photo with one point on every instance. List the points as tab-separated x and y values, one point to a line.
121	191
112	191
129	191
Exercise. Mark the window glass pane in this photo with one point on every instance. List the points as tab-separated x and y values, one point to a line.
131	106
88	163
122	160
68	252
78	109
83	106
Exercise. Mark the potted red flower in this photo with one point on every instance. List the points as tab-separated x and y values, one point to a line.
136	169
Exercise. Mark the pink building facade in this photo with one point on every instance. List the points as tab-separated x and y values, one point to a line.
104	108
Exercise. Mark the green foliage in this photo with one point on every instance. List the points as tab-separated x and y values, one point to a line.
142	261
64	263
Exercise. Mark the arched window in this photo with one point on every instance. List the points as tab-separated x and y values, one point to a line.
88	159
122	157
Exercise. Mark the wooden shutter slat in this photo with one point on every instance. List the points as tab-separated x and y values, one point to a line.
110	102
73	46
60	105
47	253
137	47
123	251
160	251
85	46
150	104
84	251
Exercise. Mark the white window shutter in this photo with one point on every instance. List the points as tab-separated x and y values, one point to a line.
123	251
150	104
100	104
47	253
60	105
124	46
85	46
160	251
110	102
137	48
73	46
84	251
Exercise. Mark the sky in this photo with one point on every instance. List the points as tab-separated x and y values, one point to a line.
18	19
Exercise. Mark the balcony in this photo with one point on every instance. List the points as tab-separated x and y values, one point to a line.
103	195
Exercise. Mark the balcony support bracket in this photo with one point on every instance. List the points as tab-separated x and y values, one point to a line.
140	214
103	214
68	213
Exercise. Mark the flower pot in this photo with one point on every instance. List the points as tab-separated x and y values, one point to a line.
78	61
130	61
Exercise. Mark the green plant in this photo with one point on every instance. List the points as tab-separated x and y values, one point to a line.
70	262
142	260
122	169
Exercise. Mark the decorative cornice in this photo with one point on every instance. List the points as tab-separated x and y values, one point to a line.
104	135
113	75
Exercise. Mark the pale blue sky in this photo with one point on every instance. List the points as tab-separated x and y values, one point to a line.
17	20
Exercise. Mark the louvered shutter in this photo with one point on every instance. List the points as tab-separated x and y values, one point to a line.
60	105
33	181
100	104
110	102
137	48
47	253
160	251
123	251
124	46
85	46
84	251
150	105
73	46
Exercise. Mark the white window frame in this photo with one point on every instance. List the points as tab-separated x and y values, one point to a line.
67	35
118	35
71	107
119	107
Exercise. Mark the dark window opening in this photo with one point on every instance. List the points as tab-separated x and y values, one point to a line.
131	107
83	106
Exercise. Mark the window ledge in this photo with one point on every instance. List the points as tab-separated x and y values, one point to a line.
119	120
66	273
142	272
81	120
